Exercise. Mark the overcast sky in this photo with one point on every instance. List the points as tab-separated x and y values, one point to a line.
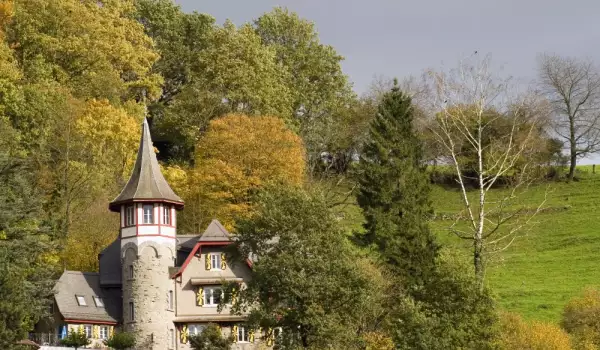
394	38
400	38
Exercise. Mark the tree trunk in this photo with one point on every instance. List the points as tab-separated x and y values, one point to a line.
478	261
573	144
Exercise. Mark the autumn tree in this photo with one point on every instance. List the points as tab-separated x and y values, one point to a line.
535	335
237	156
97	50
84	66
580	318
573	87
464	97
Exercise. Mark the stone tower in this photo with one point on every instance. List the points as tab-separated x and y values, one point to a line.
148	249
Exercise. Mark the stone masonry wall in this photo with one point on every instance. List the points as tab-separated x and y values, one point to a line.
148	290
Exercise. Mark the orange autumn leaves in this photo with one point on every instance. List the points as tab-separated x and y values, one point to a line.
237	156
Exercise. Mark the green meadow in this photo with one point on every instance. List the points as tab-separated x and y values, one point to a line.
555	258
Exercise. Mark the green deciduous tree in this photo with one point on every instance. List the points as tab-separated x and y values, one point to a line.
26	253
211	338
306	278
394	191
320	91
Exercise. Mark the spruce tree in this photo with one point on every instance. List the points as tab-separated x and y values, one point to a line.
394	191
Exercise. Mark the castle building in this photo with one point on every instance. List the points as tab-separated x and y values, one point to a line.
160	285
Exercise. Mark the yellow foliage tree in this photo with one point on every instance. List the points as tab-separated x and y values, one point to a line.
96	48
581	318
97	157
518	334
237	156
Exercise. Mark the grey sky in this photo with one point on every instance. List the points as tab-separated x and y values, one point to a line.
399	38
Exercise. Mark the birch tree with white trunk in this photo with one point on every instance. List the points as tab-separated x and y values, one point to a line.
477	117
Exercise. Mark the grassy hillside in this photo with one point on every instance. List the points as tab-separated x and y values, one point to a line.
552	261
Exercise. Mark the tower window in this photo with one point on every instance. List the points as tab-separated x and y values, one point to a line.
130	272
131	311
167	215
129	215
148	214
170	300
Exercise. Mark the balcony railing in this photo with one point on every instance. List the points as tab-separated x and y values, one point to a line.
45	338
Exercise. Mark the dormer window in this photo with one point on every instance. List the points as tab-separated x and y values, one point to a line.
215	260
129	215
98	301
81	300
148	214
167	215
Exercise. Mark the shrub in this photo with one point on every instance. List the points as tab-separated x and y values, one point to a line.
75	339
581	318
452	312
121	341
211	339
518	334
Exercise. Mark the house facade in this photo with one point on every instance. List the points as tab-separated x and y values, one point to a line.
162	286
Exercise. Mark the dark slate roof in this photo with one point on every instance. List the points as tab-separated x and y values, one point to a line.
110	264
73	283
146	181
186	242
215	232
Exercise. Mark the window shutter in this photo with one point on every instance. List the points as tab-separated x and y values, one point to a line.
80	329
111	331
251	335
270	337
233	296
207	264
234	330
96	332
200	296
223	263
183	334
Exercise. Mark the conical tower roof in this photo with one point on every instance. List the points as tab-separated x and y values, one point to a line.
146	182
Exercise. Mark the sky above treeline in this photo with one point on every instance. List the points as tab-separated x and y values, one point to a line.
392	38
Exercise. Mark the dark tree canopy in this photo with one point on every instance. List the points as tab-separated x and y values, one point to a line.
306	279
394	191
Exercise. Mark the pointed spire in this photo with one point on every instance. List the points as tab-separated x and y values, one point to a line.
146	181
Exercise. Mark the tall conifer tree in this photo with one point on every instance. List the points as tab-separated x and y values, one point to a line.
394	191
